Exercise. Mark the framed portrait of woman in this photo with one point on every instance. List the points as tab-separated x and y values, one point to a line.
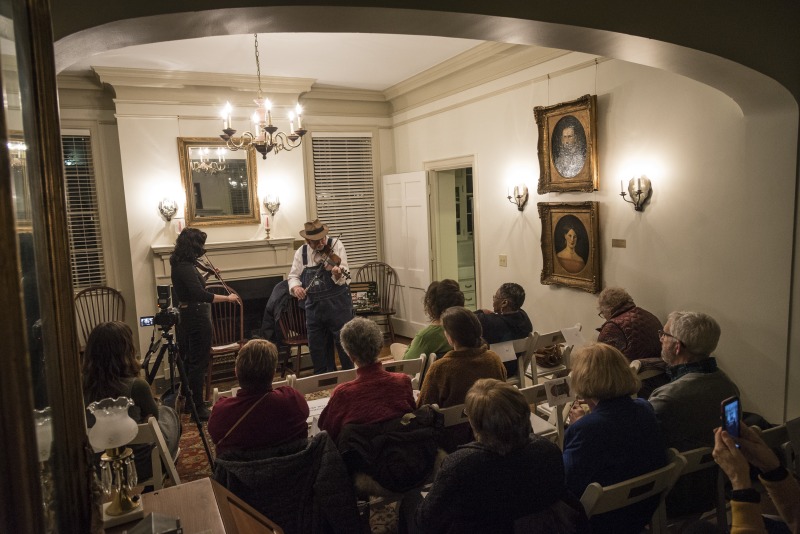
568	145
571	244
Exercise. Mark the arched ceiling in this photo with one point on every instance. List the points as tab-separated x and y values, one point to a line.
734	46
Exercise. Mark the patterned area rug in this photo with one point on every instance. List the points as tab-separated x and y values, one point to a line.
193	464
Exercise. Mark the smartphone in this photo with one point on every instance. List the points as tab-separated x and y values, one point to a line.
146	321
731	416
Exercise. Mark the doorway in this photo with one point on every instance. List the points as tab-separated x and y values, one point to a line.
453	229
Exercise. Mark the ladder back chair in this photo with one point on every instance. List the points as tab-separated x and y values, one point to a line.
294	330
95	305
386	279
227	320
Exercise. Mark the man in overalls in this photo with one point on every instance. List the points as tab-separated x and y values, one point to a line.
324	287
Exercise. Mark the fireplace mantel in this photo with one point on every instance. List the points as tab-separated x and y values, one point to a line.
236	260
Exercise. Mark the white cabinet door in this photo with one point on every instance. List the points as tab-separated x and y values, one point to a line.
407	245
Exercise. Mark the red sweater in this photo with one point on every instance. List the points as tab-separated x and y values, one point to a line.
373	397
278	418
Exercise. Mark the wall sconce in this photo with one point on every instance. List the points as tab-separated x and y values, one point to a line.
520	197
640	191
168	208
272	204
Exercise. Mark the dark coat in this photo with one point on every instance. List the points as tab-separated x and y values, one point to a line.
277	302
634	331
302	486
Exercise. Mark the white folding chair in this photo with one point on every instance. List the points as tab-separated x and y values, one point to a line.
522	349
398	350
536	395
412	368
314	383
150	432
597	499
698	460
453	415
540	341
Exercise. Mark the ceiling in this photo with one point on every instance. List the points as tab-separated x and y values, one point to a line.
354	60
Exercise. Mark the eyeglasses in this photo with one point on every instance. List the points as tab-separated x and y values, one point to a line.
661	335
600	314
464	413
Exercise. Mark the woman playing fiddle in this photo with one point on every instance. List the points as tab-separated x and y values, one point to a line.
194	305
319	277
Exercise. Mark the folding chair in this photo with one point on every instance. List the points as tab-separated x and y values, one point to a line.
551	398
536	395
314	383
698	460
597	499
235	390
522	350
412	368
150	432
540	341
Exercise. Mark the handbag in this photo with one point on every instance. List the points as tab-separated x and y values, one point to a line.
550	356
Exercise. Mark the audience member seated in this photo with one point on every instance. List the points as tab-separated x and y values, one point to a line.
110	369
617	440
782	488
688	407
301	485
507	320
258	416
439	297
504	476
450	377
375	395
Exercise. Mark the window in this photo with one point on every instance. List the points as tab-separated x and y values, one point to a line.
344	188
83	217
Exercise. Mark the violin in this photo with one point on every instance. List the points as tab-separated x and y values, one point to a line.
333	260
209	269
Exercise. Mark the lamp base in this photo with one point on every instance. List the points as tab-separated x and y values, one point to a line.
114	520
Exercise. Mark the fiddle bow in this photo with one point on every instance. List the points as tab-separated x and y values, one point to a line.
211	270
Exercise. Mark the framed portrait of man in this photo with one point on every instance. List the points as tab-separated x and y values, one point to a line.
567	145
571	244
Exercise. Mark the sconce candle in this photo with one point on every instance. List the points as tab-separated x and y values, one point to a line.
520	197
640	190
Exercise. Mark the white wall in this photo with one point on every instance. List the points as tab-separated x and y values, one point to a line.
716	236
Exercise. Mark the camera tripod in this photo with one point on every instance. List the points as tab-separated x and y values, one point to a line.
174	359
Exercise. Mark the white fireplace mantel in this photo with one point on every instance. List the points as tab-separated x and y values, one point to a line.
236	260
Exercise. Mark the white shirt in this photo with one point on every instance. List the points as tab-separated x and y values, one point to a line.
314	258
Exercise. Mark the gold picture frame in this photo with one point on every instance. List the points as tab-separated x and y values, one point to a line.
221	185
568	145
571	244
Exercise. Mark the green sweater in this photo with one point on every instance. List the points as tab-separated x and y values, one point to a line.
429	339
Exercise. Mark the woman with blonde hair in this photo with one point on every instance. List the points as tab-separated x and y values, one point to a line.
618	439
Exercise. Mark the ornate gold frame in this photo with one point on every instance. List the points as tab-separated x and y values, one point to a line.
556	217
581	115
254	217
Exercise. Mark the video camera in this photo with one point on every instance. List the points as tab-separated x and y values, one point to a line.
167	317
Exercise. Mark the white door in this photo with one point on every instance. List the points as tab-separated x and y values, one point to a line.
407	246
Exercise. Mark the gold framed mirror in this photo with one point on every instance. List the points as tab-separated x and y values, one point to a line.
221	185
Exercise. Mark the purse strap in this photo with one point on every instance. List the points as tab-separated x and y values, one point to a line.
245	414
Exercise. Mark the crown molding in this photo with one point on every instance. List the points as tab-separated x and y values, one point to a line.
154	78
480	65
78	81
330	92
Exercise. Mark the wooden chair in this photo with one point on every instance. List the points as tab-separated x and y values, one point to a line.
95	305
150	432
314	383
227	337
412	368
523	349
698	460
292	323
386	279
597	499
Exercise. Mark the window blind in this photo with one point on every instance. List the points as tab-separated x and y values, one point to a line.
83	217
344	188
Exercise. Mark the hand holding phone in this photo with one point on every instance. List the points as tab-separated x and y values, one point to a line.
731	415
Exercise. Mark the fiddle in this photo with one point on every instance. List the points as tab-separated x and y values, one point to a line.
330	259
210	270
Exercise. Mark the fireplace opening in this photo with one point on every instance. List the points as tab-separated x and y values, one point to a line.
255	293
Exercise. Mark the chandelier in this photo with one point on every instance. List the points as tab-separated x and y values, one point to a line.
267	138
209	167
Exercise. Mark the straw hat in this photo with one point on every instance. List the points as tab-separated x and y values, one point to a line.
314	231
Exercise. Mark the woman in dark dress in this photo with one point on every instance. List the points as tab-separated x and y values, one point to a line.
194	305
